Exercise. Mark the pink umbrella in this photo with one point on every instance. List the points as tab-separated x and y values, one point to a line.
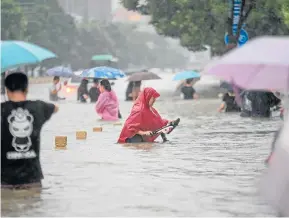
262	63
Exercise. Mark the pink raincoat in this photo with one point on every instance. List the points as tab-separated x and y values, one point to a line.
107	106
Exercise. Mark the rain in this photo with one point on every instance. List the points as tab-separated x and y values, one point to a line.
144	108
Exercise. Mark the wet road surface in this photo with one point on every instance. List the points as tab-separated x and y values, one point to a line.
211	166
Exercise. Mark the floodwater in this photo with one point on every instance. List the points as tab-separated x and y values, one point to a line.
211	166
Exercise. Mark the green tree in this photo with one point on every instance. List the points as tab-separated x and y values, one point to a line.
44	23
13	24
285	12
198	23
267	19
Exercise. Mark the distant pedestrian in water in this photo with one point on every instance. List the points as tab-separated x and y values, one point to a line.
94	91
82	92
229	104
55	89
246	108
136	90
262	102
119	114
107	106
188	91
128	93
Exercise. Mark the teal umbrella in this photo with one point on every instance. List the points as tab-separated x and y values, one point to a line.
186	75
104	58
16	53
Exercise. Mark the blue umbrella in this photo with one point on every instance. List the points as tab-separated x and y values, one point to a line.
60	71
186	75
103	73
16	53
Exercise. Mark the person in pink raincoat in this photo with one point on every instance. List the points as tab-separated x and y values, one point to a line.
107	105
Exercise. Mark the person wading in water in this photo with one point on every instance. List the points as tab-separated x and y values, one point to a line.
21	124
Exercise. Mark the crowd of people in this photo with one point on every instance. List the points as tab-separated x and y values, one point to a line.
106	105
251	103
22	120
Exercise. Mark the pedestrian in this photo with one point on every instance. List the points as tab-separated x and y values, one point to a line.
188	91
94	91
82	91
21	124
136	90
55	89
143	119
229	103
107	106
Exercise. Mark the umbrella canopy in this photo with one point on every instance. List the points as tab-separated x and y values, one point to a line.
143	76
260	64
60	71
103	73
135	70
186	75
16	53
103	58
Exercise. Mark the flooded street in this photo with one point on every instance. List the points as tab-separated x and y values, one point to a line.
211	166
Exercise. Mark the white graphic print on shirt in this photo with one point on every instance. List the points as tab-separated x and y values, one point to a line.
21	127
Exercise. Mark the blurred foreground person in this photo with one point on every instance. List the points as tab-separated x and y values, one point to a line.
188	91
275	184
94	91
107	106
82	91
143	119
273	146
21	124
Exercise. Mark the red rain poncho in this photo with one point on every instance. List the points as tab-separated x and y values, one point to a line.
142	117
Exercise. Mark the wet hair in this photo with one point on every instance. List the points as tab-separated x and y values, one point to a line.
17	81
84	82
188	81
137	83
56	78
106	84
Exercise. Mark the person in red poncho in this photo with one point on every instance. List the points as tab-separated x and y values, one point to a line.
143	119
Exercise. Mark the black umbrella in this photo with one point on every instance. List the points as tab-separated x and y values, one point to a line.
143	76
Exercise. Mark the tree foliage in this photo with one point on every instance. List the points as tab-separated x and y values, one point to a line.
197	23
285	12
44	22
12	20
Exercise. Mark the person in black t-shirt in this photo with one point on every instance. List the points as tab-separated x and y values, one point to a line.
229	103
21	123
82	91
188	91
94	91
262	102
